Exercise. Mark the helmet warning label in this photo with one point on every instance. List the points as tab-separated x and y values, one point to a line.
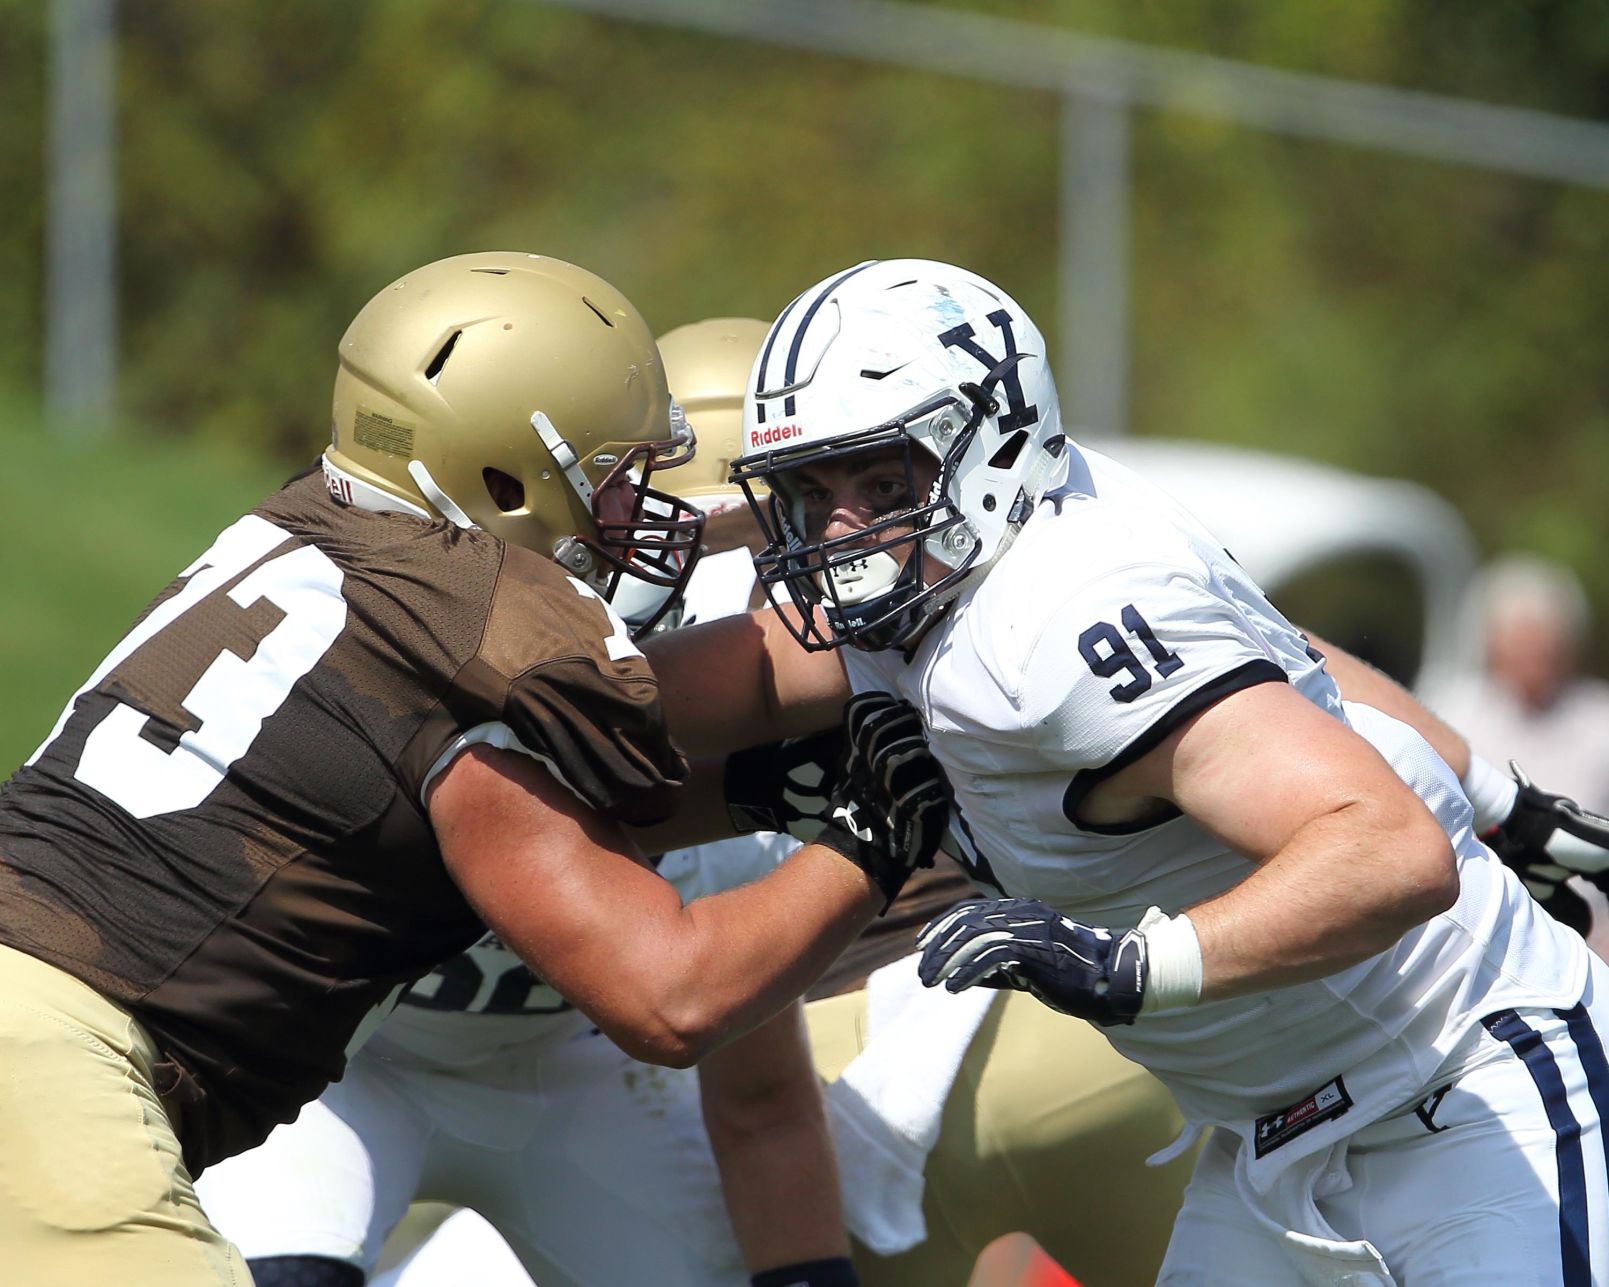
382	433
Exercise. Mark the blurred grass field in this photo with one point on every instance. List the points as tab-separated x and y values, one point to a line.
89	531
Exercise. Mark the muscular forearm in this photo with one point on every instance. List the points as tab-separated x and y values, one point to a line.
673	983
737	957
1345	887
1345	857
768	1130
561	886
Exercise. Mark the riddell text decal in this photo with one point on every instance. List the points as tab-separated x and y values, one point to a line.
774	433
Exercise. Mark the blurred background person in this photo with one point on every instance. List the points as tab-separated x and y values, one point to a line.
1532	702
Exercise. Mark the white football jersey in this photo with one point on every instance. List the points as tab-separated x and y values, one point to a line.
1114	617
485	1004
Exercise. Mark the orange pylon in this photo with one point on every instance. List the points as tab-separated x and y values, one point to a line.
1016	1260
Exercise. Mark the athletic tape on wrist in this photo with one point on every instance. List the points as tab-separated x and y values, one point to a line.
1491	791
1173	961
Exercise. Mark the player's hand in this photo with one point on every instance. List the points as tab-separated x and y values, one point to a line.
889	808
1025	944
1547	839
785	786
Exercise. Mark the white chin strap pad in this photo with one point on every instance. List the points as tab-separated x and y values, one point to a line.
857	580
636	600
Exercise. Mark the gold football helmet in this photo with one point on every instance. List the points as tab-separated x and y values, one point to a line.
708	364
522	395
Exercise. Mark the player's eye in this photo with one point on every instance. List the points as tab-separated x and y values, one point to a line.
891	493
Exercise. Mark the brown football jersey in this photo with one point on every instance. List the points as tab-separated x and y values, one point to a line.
225	831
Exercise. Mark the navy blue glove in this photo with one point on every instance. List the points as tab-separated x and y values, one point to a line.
1028	945
1548	838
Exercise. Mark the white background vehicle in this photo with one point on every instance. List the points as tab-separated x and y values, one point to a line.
1377	565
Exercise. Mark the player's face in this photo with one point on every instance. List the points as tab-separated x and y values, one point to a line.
842	497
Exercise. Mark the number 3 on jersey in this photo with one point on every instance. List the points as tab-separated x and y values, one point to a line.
1109	654
234	695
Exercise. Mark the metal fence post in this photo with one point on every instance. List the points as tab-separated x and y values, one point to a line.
1093	251
80	234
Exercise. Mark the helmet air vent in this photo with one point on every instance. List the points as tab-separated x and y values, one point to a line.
602	317
506	491
495	272
433	371
1006	454
871	373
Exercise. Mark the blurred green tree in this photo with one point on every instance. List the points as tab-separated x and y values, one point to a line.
280	162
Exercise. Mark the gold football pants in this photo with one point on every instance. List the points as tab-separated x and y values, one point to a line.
1046	1131
93	1187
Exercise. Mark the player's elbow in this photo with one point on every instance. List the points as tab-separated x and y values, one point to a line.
673	1036
655	1044
1429	872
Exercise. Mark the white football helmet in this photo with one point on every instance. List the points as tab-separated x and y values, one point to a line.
902	352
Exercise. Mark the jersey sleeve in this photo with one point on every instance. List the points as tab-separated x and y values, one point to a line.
708	869
557	678
1126	659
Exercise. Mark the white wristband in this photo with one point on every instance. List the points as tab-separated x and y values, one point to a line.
1173	958
1491	791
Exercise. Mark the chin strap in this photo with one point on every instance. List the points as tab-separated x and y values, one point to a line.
445	505
564	456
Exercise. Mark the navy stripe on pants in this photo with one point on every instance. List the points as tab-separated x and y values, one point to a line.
1526	1042
1589	1045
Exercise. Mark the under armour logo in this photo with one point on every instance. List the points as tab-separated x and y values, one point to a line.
1020	415
846	813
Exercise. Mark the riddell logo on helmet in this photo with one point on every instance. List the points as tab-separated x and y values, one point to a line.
774	433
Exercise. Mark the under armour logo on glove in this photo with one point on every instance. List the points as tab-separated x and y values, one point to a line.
845	813
891	801
1547	839
1028	945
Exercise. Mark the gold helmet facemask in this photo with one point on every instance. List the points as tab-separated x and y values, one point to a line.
525	396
